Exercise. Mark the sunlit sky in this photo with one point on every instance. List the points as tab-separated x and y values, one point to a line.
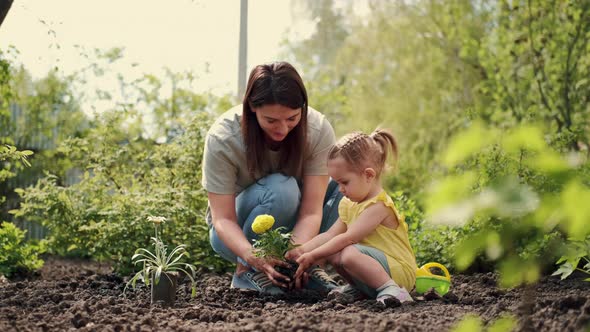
179	34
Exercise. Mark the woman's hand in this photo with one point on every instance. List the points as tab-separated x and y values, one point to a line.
293	254
305	261
267	265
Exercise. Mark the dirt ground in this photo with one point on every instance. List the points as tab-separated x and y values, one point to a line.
80	295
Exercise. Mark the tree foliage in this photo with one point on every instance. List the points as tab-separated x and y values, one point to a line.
36	115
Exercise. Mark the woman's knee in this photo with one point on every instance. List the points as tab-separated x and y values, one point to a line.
282	192
274	194
219	247
283	186
330	209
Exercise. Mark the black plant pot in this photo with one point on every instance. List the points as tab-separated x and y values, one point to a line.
165	291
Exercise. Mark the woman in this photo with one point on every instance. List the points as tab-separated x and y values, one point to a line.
268	156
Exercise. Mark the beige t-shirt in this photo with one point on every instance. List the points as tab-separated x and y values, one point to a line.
224	160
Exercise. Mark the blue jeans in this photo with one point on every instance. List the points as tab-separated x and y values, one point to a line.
279	196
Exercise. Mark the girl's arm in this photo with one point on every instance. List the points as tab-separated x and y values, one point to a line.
310	212
361	228
338	228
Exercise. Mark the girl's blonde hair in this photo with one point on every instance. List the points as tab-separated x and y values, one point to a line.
361	151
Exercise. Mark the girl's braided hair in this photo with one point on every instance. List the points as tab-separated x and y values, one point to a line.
360	150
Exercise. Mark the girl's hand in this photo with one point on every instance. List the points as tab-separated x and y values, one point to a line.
267	265
292	255
299	283
305	261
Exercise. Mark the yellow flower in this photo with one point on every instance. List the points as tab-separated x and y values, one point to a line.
262	223
156	220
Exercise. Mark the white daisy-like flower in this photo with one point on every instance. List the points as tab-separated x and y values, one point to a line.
156	220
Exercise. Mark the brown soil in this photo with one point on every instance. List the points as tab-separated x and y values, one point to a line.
76	294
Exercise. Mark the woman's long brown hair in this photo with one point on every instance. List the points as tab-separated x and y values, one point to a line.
270	84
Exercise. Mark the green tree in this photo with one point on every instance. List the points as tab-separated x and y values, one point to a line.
396	69
37	115
535	66
11	159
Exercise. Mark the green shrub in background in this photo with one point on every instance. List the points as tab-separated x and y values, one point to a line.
429	244
17	256
126	179
434	243
524	197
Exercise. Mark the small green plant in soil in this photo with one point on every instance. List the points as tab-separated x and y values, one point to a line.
159	262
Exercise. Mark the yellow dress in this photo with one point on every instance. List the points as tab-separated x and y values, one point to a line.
394	243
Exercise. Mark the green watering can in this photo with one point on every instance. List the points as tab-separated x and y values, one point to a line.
425	280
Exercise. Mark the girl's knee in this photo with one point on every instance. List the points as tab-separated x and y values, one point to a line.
334	260
348	255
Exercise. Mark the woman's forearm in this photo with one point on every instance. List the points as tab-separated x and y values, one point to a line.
311	208
233	237
306	228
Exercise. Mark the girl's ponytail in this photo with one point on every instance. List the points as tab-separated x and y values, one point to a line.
386	142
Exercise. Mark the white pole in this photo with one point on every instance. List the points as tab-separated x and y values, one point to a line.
243	55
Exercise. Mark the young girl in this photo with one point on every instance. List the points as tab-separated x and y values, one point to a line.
368	245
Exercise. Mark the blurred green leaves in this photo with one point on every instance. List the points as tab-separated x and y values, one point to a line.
468	143
513	203
575	198
472	323
577	254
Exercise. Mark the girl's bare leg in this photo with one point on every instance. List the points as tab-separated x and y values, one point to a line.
357	265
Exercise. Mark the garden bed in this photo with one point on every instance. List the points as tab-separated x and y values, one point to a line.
77	294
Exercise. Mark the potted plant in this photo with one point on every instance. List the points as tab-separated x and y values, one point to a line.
273	243
161	269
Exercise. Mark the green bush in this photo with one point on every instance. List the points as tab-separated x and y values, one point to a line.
430	243
15	254
576	258
522	197
125	180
